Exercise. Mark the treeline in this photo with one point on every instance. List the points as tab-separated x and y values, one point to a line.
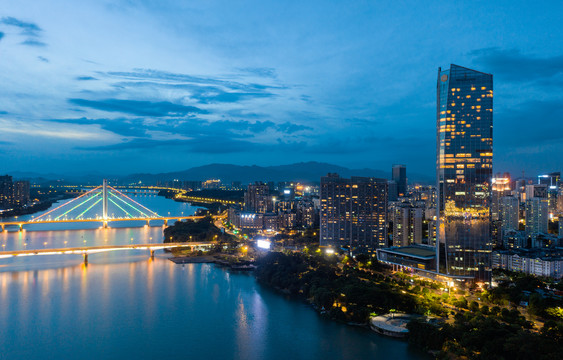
343	295
481	334
196	231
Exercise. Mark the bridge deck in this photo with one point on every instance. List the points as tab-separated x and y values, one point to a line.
96	249
18	223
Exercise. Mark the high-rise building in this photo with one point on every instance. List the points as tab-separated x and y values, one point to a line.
509	209
257	198
500	188
536	190
399	173
21	193
561	227
464	171
537	217
353	213
407	224
392	190
551	179
552	182
6	192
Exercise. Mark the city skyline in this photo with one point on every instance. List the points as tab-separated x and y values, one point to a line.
168	94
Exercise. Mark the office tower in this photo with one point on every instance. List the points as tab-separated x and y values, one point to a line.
509	209
399	173
536	191
353	213
392	190
500	188
561	227
537	217
560	199
21	193
464	171
551	179
407	224
257	198
6	192
552	182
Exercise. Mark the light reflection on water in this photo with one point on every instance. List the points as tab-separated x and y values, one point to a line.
125	305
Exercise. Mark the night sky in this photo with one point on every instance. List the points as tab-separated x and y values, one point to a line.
152	86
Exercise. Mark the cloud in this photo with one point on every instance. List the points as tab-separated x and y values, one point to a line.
1	35
121	126
32	42
29	29
43	59
139	108
85	78
290	128
206	145
512	65
265	72
168	77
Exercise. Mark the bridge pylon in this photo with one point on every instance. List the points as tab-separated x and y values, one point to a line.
105	200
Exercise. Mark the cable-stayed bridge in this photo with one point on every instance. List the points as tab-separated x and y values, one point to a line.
102	204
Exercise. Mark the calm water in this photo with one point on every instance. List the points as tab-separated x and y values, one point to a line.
125	305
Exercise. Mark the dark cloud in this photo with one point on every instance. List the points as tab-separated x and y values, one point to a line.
200	93
290	128
149	74
188	127
32	42
512	65
29	29
41	58
204	145
139	108
1	35
85	78
2	112
124	127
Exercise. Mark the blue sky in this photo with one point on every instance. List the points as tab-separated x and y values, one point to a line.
152	86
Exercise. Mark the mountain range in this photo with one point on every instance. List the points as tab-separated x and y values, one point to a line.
304	172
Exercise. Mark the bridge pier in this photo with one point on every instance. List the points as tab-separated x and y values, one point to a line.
2	227
165	222
105	225
85	258
21	227
152	254
148	223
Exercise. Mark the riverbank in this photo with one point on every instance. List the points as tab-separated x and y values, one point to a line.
35	208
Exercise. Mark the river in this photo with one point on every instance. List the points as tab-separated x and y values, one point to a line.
125	305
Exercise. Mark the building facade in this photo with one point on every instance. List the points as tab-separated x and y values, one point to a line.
6	192
257	198
529	262
407	224
464	170
399	173
537	217
353	213
509	210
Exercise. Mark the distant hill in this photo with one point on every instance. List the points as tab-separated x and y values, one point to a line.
306	172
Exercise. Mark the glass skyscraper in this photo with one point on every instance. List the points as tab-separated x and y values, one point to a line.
464	169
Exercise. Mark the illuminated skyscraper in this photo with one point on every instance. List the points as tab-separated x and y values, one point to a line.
464	170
